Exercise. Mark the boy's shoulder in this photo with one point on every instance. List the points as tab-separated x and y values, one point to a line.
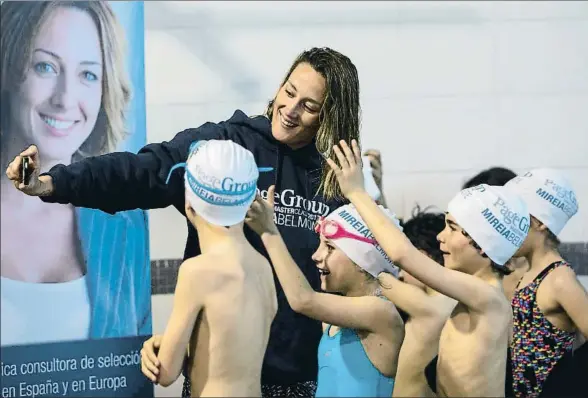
201	271
211	265
223	264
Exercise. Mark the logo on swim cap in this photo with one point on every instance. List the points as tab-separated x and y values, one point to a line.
220	180
368	256
496	219
549	196
218	197
511	225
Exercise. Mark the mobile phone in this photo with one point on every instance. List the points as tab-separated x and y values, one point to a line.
25	170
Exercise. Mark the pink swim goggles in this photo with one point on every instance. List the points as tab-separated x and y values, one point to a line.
331	229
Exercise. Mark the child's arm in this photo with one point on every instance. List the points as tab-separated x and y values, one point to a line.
364	313
467	289
572	297
194	281
408	298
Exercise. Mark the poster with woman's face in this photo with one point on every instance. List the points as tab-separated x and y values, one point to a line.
75	290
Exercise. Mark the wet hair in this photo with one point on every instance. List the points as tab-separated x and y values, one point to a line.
497	176
551	239
500	269
370	278
340	114
422	230
21	22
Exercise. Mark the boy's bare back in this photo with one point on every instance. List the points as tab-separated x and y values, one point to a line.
230	336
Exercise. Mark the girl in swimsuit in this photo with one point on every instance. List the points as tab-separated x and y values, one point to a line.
549	305
362	331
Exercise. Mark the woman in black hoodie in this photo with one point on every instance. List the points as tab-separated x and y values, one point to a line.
316	106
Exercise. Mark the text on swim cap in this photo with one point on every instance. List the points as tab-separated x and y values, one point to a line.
216	197
224	186
511	226
564	199
356	224
466	193
363	230
511	217
570	207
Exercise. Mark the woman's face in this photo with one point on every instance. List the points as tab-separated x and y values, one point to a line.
297	107
337	271
57	105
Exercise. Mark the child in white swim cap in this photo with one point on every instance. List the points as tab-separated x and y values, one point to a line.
351	308
485	226
226	295
549	305
221	182
497	222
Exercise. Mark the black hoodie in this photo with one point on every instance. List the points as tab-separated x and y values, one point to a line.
123	181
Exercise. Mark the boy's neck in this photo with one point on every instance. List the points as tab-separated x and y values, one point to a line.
490	276
211	236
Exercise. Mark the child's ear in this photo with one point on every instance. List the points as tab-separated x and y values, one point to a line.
538	225
188	209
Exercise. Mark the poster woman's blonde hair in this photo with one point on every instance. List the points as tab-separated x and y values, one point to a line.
21	22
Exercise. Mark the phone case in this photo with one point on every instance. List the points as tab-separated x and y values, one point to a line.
26	172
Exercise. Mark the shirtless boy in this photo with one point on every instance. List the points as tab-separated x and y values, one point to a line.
427	309
485	226
499	176
225	298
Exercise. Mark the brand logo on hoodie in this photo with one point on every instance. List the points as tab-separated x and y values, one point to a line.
292	210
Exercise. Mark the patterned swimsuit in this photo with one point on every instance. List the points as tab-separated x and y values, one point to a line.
537	345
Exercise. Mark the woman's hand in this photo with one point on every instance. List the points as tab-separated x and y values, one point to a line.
350	173
37	186
260	216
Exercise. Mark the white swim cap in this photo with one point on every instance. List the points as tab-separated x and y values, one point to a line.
368	256
549	197
494	217
220	181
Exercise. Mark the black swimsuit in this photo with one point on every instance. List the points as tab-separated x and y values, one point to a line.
431	374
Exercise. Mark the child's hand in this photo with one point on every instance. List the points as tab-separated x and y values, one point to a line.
350	174
149	362
260	216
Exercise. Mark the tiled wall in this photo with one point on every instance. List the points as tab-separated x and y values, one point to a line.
164	272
